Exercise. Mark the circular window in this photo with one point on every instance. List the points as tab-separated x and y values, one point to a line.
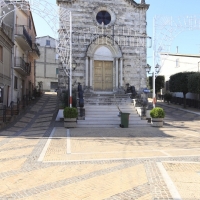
103	16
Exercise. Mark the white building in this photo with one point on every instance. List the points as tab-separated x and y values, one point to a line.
47	64
175	63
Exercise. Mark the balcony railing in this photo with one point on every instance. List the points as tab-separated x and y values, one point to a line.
20	30
22	65
7	30
35	48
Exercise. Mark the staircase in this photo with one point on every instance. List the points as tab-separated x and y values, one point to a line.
102	110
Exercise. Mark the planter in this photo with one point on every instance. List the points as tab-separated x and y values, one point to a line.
157	122
70	122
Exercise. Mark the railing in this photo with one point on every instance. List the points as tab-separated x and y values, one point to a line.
189	102
20	30
35	48
7	30
7	112
19	62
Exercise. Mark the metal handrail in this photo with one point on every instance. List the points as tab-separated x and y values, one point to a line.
21	30
35	48
19	62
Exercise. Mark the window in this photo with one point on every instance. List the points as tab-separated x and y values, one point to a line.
56	70
48	42
103	17
1	53
54	85
15	82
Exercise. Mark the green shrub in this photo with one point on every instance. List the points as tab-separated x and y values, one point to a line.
168	97
157	112
70	112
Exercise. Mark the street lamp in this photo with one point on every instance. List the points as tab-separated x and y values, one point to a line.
148	68
74	65
156	70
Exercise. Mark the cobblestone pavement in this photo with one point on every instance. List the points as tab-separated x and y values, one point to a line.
39	159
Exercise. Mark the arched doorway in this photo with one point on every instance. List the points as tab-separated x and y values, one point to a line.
104	66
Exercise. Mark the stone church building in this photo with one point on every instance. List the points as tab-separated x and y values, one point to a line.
109	44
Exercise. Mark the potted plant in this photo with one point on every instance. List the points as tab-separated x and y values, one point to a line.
157	114
70	117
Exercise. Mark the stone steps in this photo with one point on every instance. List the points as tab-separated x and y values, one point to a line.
107	116
106	99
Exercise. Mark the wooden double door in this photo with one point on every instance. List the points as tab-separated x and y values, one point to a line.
103	75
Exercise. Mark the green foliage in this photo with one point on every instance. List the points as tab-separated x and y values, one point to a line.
157	112
70	112
179	82
167	97
194	83
159	83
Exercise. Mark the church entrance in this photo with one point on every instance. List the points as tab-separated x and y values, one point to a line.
103	75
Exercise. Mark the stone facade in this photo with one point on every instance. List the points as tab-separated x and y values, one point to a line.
24	54
108	42
6	46
47	64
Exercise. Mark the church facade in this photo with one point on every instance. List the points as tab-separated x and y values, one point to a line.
109	44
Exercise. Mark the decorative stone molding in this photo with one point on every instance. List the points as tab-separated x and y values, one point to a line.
104	8
104	41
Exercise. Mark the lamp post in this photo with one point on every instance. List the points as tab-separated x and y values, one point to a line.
74	65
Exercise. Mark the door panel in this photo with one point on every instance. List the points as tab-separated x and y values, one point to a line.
108	76
103	75
98	75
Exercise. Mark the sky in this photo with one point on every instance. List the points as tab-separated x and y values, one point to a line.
188	42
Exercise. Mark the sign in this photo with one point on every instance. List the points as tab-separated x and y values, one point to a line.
146	91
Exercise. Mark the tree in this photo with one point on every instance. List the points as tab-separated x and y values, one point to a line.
194	83
159	83
179	83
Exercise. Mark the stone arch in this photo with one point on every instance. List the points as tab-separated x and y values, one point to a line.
108	51
108	43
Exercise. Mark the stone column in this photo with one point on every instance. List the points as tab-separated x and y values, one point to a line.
121	68
86	72
91	71
117	73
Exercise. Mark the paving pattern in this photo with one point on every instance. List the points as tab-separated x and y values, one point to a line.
40	160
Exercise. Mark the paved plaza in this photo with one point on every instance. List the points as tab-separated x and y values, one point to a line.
41	160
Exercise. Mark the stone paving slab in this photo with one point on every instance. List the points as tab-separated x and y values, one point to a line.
116	182
29	115
85	145
20	124
24	176
185	178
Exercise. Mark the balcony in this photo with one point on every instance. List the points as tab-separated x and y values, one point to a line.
35	52
23	38
22	67
7	30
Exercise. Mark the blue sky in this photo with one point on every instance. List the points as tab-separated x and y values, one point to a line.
188	41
